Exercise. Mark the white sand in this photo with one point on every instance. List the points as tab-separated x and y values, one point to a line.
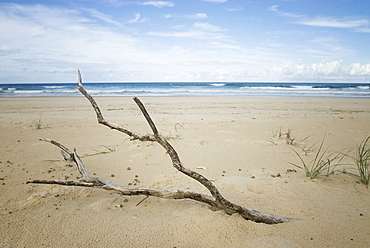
228	136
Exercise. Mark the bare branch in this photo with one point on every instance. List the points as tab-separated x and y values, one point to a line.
65	149
174	156
147	116
215	199
71	156
110	124
98	182
99	115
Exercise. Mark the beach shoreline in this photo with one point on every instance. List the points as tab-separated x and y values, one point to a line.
230	140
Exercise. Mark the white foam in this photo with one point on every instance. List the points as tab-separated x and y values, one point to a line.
363	87
54	87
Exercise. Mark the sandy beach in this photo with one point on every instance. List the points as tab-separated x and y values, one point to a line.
232	141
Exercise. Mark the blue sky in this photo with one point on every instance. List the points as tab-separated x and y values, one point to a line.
185	40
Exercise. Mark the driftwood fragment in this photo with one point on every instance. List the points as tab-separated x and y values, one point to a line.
214	199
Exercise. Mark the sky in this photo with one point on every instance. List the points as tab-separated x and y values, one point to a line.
185	41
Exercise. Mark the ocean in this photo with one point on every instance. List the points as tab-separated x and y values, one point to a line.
190	89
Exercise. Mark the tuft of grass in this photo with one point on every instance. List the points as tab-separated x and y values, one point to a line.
180	125
172	137
305	148
322	162
278	134
362	160
39	124
290	139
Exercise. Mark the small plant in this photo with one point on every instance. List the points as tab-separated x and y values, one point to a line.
172	137
362	160
289	138
38	124
276	135
178	124
323	162
279	135
305	148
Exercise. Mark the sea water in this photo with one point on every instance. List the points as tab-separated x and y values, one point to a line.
190	89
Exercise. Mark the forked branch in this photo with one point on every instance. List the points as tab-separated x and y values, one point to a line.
214	199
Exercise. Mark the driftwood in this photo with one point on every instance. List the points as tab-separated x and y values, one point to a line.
214	199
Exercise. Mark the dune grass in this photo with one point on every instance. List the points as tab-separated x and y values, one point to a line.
323	162
278	134
39	124
362	160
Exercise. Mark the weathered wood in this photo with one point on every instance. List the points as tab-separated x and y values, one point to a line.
215	199
101	120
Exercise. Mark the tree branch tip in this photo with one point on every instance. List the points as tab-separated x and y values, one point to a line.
79	84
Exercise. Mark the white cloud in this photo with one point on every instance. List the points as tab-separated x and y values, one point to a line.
327	68
193	16
324	70
359	24
333	22
274	8
327	47
45	39
357	69
220	74
235	9
363	30
103	17
202	30
198	16
226	46
159	4
50	16
138	19
179	34
208	27
216	1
